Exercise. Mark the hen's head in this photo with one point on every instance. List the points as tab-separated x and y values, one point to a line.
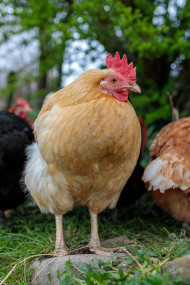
21	108
122	78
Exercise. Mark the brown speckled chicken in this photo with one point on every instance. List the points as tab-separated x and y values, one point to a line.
88	142
168	175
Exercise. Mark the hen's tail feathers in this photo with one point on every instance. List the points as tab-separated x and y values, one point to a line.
168	171
29	149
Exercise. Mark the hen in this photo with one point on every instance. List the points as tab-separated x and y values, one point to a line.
15	135
168	175
21	109
88	142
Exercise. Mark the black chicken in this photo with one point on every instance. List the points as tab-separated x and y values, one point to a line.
15	135
135	188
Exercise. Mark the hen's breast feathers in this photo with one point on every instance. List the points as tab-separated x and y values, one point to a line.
170	152
102	125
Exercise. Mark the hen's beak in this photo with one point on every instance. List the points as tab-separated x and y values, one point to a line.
133	87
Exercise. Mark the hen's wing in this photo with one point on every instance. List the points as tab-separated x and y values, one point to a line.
174	135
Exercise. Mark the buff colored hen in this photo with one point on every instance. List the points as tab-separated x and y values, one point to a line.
88	142
168	175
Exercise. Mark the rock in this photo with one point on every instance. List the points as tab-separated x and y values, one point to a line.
45	271
179	267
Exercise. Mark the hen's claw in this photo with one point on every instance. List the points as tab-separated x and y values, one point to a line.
107	251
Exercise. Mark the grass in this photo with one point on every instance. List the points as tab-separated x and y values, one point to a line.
158	236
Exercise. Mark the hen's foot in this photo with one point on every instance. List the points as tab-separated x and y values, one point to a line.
107	251
94	244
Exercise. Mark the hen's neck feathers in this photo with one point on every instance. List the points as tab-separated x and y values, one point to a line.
84	89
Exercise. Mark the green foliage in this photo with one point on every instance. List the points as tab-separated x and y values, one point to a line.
107	273
47	23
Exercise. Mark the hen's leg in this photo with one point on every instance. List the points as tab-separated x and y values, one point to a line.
94	244
60	246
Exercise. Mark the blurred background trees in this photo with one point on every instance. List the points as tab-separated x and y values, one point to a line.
43	43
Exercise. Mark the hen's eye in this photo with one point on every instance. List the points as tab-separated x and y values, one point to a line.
113	80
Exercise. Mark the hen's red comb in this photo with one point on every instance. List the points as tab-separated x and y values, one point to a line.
22	101
121	66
